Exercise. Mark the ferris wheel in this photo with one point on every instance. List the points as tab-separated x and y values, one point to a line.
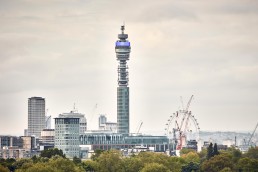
182	126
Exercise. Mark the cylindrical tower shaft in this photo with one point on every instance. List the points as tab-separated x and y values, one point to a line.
123	50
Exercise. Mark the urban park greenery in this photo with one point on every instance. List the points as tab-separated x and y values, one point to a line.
209	160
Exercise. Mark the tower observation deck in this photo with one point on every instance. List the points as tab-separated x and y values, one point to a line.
123	50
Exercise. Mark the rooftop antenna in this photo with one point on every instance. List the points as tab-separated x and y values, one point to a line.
74	108
123	27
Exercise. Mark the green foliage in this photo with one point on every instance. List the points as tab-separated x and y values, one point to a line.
97	153
3	169
171	163
235	153
76	160
90	166
247	164
154	167
110	161
252	153
191	157
55	164
210	151
215	150
23	163
190	167
132	164
202	154
217	163
186	151
52	152
226	169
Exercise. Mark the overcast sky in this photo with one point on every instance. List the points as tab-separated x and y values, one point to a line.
63	50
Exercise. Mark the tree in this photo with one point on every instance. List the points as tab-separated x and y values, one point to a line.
110	161
52	152
252	153
190	167
247	164
76	160
3	169
132	164
154	167
226	169
10	163
186	151
23	163
217	163
203	155
215	150
90	166
210	151
235	153
97	153
191	157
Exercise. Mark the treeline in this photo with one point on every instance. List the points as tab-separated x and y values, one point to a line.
208	160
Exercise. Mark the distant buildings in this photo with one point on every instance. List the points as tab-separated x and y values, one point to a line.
17	147
36	116
67	135
105	125
47	139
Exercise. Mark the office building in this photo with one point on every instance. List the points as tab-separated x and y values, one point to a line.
74	114
36	116
47	139
123	50
67	136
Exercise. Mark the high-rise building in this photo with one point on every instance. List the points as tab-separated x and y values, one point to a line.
36	116
67	136
123	50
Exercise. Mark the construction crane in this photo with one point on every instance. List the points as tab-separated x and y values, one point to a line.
249	141
184	121
139	128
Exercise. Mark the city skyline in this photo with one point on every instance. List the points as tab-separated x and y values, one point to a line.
63	51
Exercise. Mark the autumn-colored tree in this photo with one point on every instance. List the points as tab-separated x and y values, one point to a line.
3	169
154	167
186	151
191	157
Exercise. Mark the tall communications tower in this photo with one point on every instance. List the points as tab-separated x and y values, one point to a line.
123	50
